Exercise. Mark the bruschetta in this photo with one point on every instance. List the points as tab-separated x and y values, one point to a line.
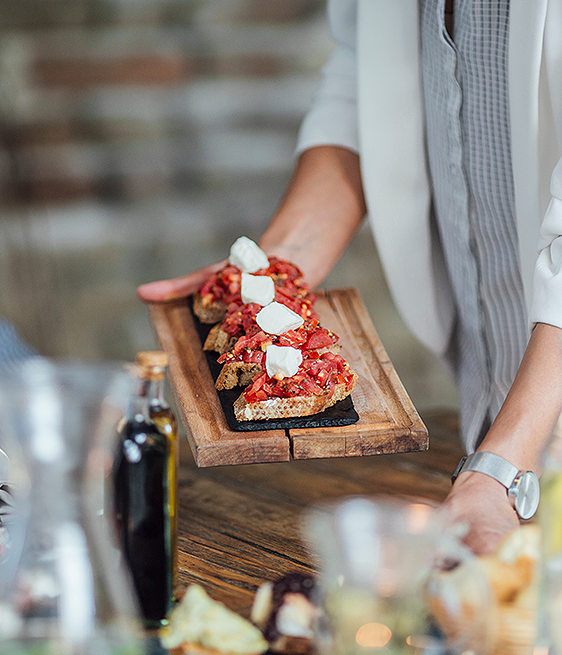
321	381
248	355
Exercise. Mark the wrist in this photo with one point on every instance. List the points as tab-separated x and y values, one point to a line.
474	481
521	487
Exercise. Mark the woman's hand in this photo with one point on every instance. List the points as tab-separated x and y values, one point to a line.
176	288
480	504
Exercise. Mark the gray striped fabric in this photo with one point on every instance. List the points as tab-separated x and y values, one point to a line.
466	101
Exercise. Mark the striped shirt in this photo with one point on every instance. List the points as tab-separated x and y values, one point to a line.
467	117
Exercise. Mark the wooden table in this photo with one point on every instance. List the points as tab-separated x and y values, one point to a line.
239	526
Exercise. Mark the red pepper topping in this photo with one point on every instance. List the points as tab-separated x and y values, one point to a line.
317	375
308	337
290	289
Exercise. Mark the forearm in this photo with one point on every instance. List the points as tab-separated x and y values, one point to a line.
519	434
533	405
321	211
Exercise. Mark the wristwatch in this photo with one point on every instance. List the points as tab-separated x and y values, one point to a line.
523	488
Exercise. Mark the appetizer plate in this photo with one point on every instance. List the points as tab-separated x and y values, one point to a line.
342	413
388	422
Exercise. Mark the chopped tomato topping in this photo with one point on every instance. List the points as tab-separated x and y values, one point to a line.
317	375
311	388
253	356
301	338
241	319
225	285
320	338
257	383
293	338
261	394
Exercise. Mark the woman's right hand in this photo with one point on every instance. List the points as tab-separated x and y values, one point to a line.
177	288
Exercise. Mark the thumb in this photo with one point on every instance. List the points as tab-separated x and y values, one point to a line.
176	288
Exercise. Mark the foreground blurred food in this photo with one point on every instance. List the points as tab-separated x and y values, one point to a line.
285	611
201	625
511	615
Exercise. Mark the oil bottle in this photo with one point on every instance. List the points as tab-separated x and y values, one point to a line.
154	364
144	494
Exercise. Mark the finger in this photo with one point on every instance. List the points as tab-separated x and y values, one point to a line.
166	290
176	288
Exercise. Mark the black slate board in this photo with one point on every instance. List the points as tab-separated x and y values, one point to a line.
342	413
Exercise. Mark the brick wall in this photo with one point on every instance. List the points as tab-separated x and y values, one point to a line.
117	99
137	137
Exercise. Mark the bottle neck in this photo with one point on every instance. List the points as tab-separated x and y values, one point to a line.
139	405
156	393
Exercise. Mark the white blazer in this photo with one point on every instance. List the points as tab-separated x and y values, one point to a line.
370	101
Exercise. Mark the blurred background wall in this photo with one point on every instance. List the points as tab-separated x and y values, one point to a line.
138	140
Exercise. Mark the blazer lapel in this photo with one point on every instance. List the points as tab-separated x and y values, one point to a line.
526	29
393	162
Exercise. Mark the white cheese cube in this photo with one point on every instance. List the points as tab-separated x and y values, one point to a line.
247	255
282	361
276	318
257	288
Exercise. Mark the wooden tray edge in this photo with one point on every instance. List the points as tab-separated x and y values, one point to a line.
409	435
197	402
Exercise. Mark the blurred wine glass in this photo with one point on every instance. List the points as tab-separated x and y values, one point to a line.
385	568
63	587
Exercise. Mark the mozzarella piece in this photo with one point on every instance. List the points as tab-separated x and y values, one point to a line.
257	288
276	318
247	255
282	361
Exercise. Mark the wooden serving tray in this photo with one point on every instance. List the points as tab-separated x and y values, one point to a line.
388	421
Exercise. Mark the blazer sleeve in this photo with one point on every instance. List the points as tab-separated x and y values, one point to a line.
332	118
546	306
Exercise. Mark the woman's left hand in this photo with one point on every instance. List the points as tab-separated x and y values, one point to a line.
480	504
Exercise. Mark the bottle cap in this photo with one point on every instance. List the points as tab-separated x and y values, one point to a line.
153	362
152	358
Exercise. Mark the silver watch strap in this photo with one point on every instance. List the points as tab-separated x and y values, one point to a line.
493	465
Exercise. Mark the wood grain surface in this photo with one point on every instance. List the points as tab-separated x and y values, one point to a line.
388	423
210	438
241	525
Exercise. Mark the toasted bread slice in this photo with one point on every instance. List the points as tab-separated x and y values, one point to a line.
237	374
278	407
289	407
218	340
209	312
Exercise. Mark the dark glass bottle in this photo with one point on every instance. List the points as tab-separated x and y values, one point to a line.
154	365
142	498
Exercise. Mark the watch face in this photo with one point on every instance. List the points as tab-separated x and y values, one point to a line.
526	493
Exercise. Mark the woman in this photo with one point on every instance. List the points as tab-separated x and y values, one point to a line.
446	134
